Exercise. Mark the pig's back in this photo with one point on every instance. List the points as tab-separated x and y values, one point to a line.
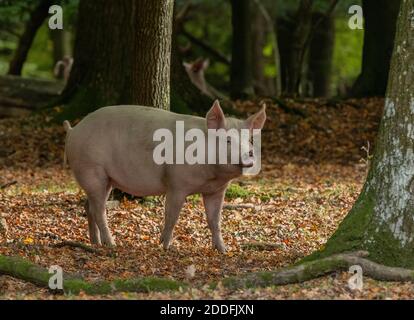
120	139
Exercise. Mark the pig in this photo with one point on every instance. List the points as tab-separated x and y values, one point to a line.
63	67
113	148
196	72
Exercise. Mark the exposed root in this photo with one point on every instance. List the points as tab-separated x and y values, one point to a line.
310	270
22	269
25	270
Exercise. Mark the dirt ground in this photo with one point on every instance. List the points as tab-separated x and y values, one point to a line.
313	168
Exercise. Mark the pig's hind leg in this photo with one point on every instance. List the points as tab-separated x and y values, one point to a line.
97	187
94	236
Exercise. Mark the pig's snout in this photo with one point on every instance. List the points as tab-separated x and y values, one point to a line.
248	159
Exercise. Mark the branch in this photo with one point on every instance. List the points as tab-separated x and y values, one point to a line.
206	47
8	184
76	245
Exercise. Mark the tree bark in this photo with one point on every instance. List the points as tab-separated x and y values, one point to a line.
321	54
61	47
37	16
258	60
382	221
241	76
122	56
185	96
303	22
380	18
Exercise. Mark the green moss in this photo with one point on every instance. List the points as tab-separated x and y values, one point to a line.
236	191
384	248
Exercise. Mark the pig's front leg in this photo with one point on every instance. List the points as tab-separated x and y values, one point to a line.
173	204
213	203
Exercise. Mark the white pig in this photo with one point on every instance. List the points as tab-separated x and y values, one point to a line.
113	147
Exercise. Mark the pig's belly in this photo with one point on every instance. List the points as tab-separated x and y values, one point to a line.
139	184
139	189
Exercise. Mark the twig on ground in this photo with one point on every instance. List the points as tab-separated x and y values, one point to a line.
231	206
8	184
260	246
77	245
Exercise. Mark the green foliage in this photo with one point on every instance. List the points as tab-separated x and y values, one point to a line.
39	63
215	30
347	58
13	17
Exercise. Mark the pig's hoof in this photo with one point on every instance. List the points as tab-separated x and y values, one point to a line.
165	241
220	247
108	243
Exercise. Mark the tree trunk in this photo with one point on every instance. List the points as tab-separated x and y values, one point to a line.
37	16
321	54
122	56
380	18
303	21
61	47
285	26
258	60
185	96
382	221
241	76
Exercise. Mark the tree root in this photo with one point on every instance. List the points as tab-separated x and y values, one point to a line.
22	269
314	269
25	270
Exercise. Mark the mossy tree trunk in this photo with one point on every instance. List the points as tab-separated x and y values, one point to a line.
380	18
382	220
122	56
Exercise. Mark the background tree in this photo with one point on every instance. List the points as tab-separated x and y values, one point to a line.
321	52
122	56
36	19
380	18
241	76
185	97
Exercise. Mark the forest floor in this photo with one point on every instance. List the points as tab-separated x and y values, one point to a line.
313	169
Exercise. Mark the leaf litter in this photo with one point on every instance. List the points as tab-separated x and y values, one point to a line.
313	169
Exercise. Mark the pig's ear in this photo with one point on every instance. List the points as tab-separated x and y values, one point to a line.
257	120
215	117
